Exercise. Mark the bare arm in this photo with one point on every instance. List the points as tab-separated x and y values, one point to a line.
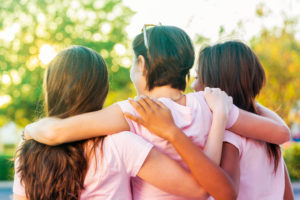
54	131
158	119
213	146
261	128
288	191
265	112
215	181
231	163
220	105
166	174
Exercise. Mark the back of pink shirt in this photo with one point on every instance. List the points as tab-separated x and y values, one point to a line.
123	155
194	119
257	177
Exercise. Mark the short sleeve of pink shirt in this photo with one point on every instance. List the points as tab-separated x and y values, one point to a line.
233	116
133	151
235	140
18	187
126	107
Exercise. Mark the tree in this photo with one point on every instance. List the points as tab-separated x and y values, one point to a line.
32	31
279	53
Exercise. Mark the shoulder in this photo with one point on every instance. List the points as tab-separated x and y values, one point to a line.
122	136
196	96
124	105
234	139
197	101
132	150
127	139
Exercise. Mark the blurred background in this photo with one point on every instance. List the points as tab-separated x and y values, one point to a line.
33	31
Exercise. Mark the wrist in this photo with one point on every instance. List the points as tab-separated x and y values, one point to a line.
173	133
26	134
220	115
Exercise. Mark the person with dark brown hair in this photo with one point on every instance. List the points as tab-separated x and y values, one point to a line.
256	167
76	82
163	56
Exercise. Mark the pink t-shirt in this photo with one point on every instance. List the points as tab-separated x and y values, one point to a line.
257	177
123	155
194	119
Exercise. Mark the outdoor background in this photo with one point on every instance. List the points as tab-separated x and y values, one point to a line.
33	31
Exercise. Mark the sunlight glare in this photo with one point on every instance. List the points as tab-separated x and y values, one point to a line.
9	33
47	53
6	79
4	100
120	49
106	28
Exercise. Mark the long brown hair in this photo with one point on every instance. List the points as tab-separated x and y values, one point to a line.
76	81
234	67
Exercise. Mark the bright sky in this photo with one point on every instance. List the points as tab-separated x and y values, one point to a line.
204	17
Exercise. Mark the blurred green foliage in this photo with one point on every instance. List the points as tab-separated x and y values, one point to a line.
27	25
279	53
291	157
7	168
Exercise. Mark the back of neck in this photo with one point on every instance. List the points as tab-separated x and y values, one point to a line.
168	92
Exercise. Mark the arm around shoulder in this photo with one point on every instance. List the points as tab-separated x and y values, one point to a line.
261	128
54	131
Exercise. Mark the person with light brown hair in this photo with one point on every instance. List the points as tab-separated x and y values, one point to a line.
256	167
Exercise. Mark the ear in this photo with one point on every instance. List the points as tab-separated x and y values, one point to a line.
142	63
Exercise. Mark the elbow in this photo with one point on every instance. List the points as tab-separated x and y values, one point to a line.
233	195
201	194
234	192
230	196
285	134
51	138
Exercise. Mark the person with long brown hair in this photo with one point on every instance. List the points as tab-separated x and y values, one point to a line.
76	82
256	167
163	56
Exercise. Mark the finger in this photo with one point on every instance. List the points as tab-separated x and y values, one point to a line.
224	94
207	90
144	104
134	118
151	103
137	107
161	104
216	90
230	102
